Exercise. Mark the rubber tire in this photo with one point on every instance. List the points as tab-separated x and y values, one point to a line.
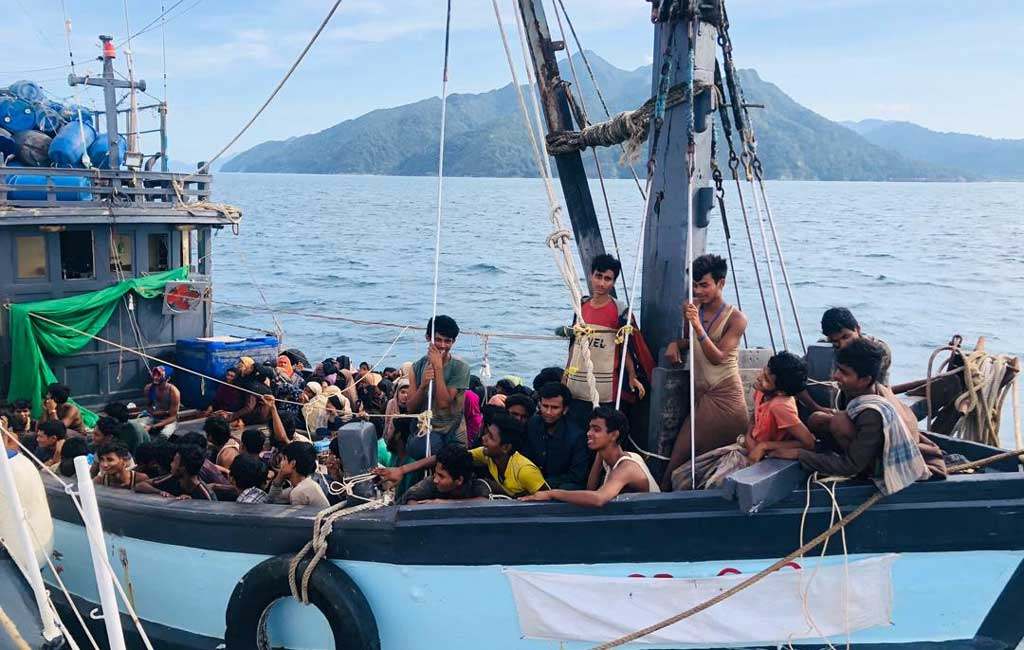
331	591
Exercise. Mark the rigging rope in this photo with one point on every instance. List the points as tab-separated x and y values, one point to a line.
440	205
691	168
559	239
302	55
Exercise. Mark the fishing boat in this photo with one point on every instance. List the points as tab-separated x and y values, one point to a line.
938	564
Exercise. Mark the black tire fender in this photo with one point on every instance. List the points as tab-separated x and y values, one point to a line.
331	591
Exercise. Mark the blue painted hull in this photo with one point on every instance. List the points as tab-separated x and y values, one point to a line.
181	592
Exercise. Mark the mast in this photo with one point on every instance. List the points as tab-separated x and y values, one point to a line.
109	85
571	174
664	279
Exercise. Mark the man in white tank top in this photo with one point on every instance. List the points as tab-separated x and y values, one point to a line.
623	471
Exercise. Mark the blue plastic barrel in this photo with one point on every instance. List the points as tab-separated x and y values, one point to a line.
47	120
72	112
100	148
33	148
212	357
26	90
16	114
7	145
71	143
40	195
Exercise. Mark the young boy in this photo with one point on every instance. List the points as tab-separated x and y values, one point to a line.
50	436
606	316
226	448
298	463
624	471
183	482
453	479
714	329
450	378
114	458
248	475
776	426
503	436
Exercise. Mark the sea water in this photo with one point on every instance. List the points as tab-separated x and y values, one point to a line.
915	262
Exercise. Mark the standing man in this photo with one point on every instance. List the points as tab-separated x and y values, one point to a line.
450	379
605	317
720	410
554	443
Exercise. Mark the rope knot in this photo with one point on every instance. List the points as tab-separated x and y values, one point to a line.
571	371
624	331
559	238
584	330
423	423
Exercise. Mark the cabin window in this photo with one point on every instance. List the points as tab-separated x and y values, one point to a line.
159	253
76	255
121	254
31	253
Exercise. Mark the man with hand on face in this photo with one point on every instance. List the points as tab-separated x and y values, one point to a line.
713	329
446	379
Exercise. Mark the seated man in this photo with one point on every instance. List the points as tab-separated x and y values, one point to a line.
183	482
164	400
228	398
298	463
136	433
56	406
521	406
839	326
554	443
869	438
225	447
114	463
453	479
450	379
513	472
248	475
50	438
251	379
776	425
22	424
712	332
624	471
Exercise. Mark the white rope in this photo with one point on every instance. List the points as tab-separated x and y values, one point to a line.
69	490
440	205
782	262
691	168
767	253
559	238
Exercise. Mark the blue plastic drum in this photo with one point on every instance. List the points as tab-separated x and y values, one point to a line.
26	90
100	148
16	114
71	143
40	195
7	145
47	120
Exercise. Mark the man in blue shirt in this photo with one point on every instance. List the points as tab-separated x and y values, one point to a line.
556	444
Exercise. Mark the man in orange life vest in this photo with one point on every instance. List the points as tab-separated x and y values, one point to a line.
606	317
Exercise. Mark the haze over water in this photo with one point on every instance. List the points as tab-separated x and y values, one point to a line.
916	262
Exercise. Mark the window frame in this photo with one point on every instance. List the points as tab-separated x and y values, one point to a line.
45	277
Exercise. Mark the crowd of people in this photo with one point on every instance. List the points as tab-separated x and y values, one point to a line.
271	433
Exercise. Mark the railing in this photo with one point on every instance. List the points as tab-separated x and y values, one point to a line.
102	188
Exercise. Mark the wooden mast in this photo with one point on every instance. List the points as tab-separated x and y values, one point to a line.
664	278
555	105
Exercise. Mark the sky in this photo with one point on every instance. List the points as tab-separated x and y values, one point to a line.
947	65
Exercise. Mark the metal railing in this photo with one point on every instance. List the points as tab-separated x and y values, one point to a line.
101	188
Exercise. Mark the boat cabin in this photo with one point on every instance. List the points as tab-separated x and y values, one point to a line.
115	225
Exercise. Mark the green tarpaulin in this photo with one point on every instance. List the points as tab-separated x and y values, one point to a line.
31	338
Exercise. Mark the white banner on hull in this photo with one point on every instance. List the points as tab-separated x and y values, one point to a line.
788	605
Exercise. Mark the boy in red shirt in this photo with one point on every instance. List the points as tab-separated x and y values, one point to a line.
606	316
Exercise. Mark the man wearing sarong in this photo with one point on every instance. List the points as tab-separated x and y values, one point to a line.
720	411
604	317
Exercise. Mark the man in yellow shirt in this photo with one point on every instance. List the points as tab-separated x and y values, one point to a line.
514	473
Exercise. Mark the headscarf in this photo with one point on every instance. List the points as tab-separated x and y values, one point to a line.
246	365
164	371
497	400
393	409
284	366
315	410
315	388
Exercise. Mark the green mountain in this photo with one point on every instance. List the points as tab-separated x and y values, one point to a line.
987	158
486	137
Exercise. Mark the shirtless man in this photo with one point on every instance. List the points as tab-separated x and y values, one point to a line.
57	406
624	471
721	410
164	401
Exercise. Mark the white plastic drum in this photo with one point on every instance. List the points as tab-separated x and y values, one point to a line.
32	493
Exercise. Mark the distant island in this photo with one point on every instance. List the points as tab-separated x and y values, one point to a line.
486	137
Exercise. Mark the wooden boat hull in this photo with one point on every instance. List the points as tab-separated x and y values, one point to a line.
432	573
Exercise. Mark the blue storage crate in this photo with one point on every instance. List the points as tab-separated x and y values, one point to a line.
212	356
